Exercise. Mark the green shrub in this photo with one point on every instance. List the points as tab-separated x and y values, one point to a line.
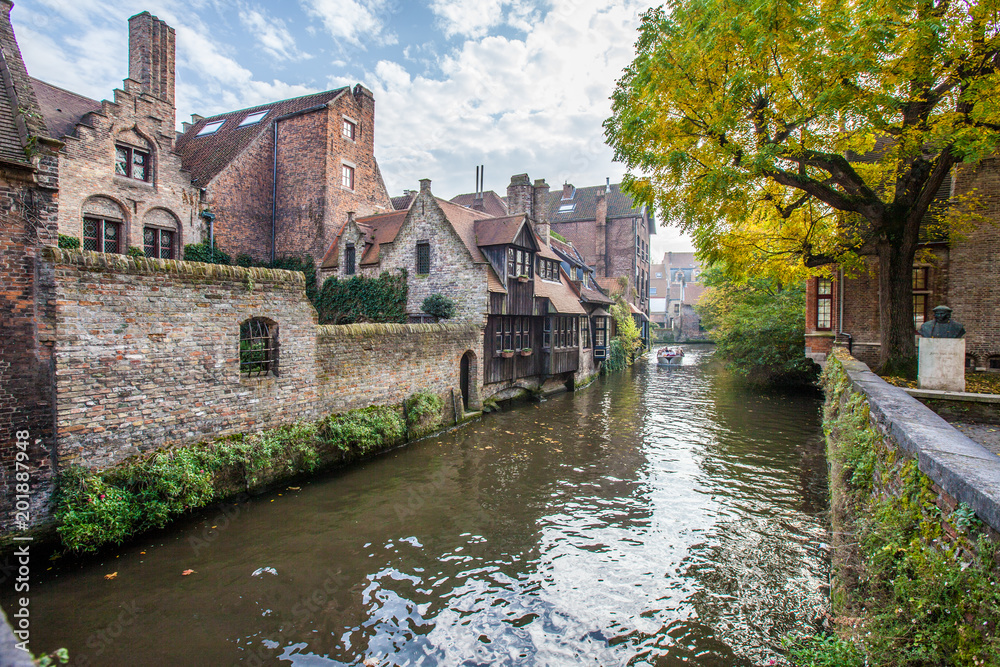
363	299
203	252
439	306
824	651
136	251
244	260
68	242
362	430
617	357
424	404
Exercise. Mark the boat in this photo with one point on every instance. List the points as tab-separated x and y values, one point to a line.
669	356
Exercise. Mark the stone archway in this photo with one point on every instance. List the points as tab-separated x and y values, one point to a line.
468	381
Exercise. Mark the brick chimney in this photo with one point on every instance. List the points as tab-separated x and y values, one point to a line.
425	185
600	237
151	58
540	205
568	191
520	195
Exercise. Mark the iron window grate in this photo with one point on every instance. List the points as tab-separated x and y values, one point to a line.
257	348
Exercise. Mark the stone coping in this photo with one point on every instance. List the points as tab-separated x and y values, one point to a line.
963	468
114	263
365	329
10	655
940	395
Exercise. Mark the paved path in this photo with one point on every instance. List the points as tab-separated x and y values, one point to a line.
987	435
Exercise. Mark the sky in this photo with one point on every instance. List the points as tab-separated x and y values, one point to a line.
515	85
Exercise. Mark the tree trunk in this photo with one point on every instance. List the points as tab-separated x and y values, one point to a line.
895	304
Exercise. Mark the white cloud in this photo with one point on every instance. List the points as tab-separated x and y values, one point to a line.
351	20
474	18
271	34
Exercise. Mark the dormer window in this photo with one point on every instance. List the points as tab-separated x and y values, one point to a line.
132	162
350	129
548	270
253	118
518	262
210	128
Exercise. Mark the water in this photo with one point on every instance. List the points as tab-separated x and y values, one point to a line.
662	517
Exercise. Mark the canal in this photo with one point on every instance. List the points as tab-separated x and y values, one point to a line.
661	517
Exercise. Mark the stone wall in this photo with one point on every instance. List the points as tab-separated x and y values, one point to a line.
146	355
962	470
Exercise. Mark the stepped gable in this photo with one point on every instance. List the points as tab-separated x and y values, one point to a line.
204	157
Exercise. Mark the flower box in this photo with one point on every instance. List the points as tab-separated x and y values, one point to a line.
507	354
526	352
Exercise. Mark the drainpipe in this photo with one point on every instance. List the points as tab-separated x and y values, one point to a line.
840	312
274	165
210	218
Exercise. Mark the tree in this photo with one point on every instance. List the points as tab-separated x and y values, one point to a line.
828	125
758	325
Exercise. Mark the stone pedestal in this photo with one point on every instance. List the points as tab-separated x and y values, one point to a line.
942	364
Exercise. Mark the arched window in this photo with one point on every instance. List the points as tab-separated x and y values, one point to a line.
160	236
103	225
258	347
133	156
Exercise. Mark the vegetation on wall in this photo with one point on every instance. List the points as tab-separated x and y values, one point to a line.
758	325
94	508
363	299
439	306
914	594
627	341
68	242
205	252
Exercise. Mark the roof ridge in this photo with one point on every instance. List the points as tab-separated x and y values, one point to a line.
275	102
65	90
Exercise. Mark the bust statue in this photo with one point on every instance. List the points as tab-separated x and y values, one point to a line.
942	326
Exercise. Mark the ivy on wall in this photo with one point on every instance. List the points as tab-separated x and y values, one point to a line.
363	299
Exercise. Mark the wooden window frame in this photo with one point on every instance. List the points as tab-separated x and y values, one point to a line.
921	289
585	331
350	259
547	333
156	248
129	163
349	129
102	224
423	258
347	176
824	304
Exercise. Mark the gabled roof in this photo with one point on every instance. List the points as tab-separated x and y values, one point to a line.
20	116
403	201
207	155
61	108
500	231
493	203
620	205
379	229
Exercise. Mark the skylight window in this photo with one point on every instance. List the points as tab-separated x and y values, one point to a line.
255	117
210	128
566	208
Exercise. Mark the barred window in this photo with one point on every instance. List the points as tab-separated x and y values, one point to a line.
101	235
423	258
158	243
258	348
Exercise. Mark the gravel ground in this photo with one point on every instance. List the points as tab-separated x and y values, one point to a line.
986	435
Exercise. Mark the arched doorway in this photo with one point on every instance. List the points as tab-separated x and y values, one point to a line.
469	372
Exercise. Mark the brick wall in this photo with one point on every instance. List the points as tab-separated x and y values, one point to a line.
303	177
240	197
146	354
27	222
975	265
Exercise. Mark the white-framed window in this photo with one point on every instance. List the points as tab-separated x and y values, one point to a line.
210	128
349	130
254	118
347	176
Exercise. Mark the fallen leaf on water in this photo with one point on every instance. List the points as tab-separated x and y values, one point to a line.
212	527
509	432
294	488
143	553
111	576
184	573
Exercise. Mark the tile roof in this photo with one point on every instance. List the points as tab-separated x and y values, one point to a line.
403	201
16	98
499	231
61	108
463	221
379	229
620	205
206	156
493	203
595	296
562	298
693	292
681	260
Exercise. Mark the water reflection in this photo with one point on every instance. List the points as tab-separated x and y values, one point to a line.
662	517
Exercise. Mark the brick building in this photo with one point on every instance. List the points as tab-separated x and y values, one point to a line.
501	273
842	311
674	290
29	183
612	235
280	178
122	182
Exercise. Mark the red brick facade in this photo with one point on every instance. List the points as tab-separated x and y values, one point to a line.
288	178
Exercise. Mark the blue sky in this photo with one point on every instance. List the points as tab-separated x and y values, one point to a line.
517	85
